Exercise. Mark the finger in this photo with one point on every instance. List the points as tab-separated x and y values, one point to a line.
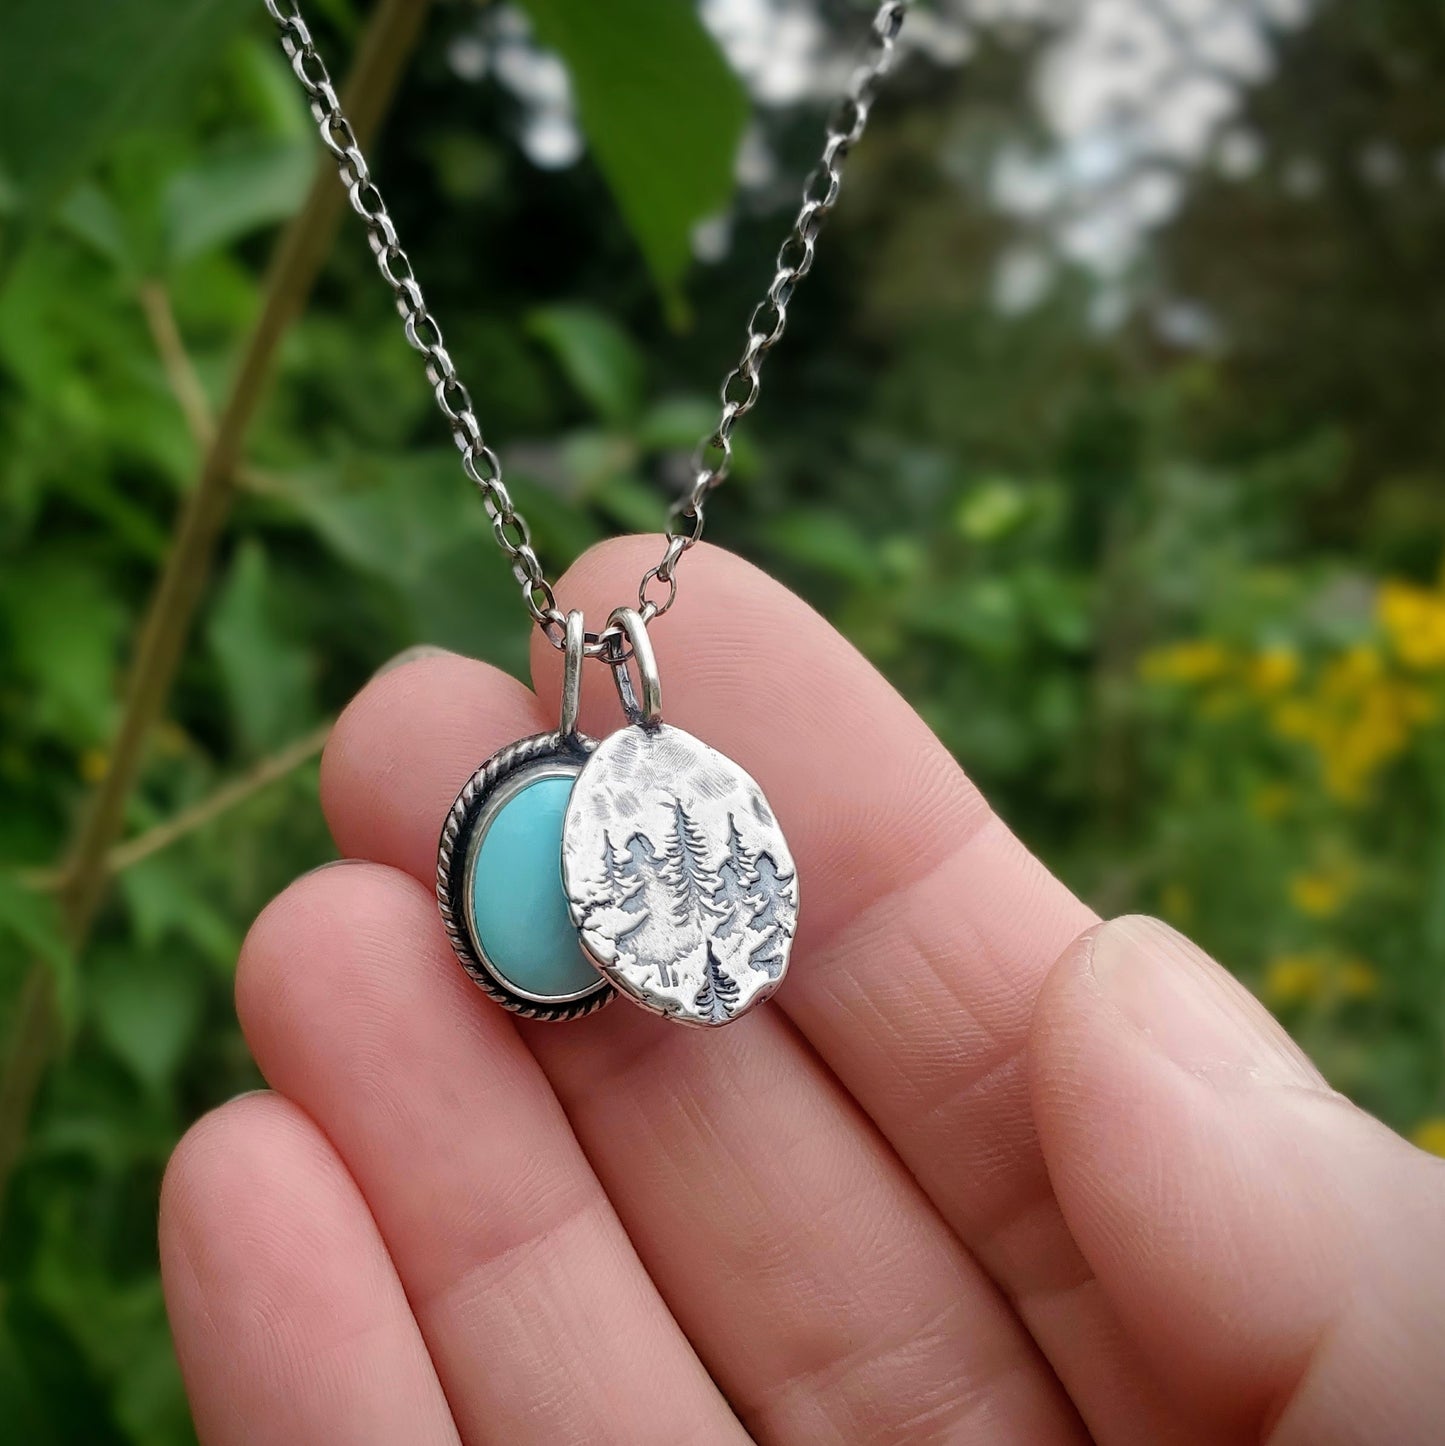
288	1317
543	1325
724	1153
824	1293
924	932
1279	1254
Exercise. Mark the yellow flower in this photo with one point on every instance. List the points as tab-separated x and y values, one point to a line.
1320	893
94	764
1413	618
1296	719
1352	671
1358	980
1357	718
1198	661
1295	979
1272	671
1176	903
1429	1134
1271	801
1317	977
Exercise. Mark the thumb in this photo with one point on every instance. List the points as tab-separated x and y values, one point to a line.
1277	1254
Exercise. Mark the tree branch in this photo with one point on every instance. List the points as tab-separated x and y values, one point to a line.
386	44
185	385
269	770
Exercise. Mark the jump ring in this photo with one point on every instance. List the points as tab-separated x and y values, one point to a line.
649	711
574	650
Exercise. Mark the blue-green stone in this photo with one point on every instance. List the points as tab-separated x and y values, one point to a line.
519	911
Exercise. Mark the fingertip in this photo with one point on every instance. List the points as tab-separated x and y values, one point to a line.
1220	1192
238	1170
288	1318
449	708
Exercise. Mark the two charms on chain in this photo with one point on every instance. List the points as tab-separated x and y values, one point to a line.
647	865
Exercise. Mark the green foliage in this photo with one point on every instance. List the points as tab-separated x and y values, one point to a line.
233	191
662	111
1176	609
75	74
597	356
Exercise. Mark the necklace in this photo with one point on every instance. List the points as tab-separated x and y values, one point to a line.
648	864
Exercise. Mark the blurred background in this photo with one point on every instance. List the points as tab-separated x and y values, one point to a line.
1108	425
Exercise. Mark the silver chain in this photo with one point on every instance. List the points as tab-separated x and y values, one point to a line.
740	389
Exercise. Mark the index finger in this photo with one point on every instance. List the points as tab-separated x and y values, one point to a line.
926	927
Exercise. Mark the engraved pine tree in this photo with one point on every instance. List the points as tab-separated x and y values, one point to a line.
775	912
717	997
618	888
652	939
735	877
686	873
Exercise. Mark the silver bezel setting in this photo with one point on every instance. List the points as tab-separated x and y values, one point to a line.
505	774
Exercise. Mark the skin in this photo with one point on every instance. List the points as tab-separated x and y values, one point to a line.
986	1169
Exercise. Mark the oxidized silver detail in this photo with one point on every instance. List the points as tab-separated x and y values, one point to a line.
679	879
500	778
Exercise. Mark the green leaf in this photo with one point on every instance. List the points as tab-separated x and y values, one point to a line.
233	192
48	1391
65	630
147	1005
30	929
1059	606
266	673
90	216
599	358
392	516
677	423
168	902
983	615
992	510
827	541
632	504
75	74
663	114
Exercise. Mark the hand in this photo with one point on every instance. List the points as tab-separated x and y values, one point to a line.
986	1170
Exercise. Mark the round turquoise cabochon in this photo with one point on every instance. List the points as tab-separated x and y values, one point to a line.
519	912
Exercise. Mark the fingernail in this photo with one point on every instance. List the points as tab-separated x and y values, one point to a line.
1190	1008
329	864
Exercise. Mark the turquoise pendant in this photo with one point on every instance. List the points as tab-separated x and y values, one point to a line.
499	881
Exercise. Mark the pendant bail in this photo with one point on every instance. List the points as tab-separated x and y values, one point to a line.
648	712
574	650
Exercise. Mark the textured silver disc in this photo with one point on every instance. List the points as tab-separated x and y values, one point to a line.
678	877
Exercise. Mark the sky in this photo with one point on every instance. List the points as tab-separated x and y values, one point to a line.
1129	95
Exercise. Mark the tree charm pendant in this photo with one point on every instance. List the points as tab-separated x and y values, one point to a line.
647	865
678	877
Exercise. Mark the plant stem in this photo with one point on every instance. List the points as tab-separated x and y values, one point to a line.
125	855
185	385
390	35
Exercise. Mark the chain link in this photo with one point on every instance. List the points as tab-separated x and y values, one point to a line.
741	387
